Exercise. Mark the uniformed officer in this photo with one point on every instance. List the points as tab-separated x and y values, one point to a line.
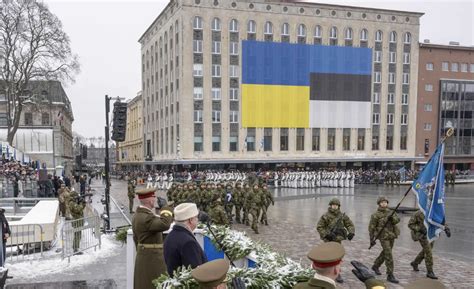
148	237
384	224
326	261
131	194
267	200
76	208
212	274
335	226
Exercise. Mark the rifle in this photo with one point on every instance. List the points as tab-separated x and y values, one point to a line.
334	228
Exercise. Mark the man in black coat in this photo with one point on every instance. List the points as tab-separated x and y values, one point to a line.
5	229
181	247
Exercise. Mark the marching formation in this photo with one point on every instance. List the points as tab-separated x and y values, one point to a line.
314	179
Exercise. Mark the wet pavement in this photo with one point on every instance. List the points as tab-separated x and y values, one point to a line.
94	284
293	218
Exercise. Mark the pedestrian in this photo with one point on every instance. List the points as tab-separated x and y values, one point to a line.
418	234
76	208
267	200
131	195
5	227
148	231
383	226
212	274
181	247
335	226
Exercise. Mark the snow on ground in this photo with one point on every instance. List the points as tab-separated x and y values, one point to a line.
52	262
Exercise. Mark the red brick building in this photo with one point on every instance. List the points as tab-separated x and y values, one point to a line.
446	99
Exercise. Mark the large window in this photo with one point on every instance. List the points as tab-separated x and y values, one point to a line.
197	46
233	116
197	23
331	139
348	34
233	25
197	93
216	70
268	28
445	66
300	139
407	38
360	139
429	66
390	118
45	118
234	94
216	47
377	56
216	143
28	118
378	36
346	139
198	147
216	24
233	143
283	139
198	116
285	29
267	139
197	70
315	140
233	71
301	30
364	35
216	116
251	26
233	48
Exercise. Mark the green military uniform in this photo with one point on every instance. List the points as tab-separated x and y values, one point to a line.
254	203
246	192
77	213
148	237
418	233
237	200
387	237
228	202
131	195
217	212
267	200
63	195
335	226
211	274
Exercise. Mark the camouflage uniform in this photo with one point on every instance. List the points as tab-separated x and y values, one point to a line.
254	203
63	195
330	229
418	233
228	202
238	197
217	213
77	213
131	195
267	200
387	236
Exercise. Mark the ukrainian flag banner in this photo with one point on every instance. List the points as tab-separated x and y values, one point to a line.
300	85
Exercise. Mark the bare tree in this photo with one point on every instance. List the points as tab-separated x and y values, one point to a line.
33	46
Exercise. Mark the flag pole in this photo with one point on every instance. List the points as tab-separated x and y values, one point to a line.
372	241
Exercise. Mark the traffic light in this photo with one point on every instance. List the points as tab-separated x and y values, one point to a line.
119	121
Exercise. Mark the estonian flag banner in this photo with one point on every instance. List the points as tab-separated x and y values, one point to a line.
429	191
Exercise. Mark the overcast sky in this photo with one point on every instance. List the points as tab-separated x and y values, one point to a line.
105	36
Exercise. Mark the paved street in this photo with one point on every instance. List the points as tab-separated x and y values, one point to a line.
293	218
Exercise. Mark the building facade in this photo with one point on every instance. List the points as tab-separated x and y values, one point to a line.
130	152
446	99
45	130
200	77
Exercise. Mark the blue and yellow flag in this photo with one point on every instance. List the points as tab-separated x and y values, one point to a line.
429	191
302	85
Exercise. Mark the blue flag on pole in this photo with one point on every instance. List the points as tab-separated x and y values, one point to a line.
429	191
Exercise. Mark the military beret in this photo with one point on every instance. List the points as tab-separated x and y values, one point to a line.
211	274
145	193
425	283
327	254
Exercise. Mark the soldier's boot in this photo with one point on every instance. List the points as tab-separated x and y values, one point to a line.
415	266
376	270
266	223
339	279
431	275
392	279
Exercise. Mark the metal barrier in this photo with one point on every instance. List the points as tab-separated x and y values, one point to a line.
80	235
25	242
26	188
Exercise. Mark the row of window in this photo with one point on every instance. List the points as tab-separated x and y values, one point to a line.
390	118
455	66
216	116
216	93
301	30
266	143
215	70
391	77
390	98
392	57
